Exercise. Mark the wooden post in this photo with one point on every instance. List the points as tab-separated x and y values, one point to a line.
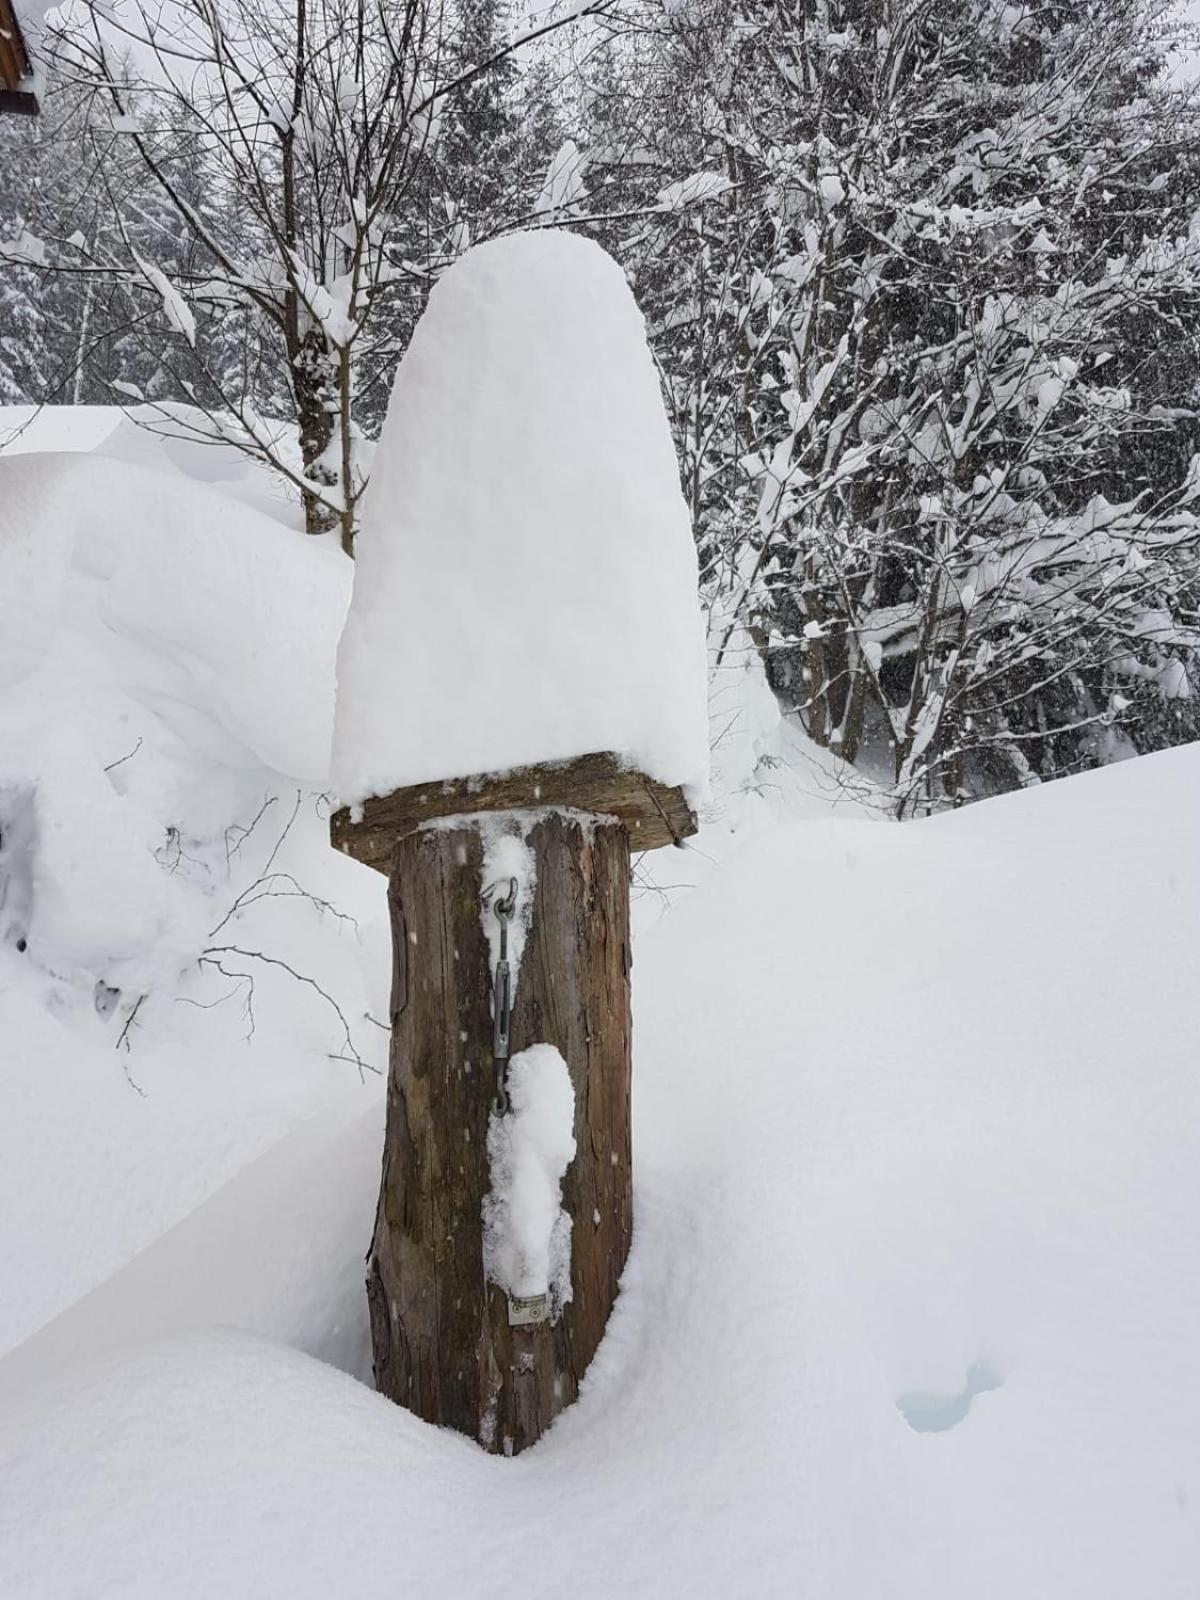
443	1342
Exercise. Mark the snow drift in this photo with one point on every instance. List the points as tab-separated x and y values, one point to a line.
166	700
911	1304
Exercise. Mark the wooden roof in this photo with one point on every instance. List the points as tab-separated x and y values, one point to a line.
654	813
16	65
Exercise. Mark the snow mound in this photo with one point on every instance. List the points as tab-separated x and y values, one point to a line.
232	1428
222	1265
179	440
234	617
166	699
525	584
141	611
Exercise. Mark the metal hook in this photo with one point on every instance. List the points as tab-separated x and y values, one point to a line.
505	906
502	998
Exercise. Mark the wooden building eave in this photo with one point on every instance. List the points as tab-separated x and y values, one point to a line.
16	65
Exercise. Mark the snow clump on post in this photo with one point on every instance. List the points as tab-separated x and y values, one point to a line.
525	587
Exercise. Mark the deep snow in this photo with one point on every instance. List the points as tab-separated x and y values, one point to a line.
913	1298
883	1158
166	701
525	581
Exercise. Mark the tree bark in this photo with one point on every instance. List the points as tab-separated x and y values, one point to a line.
313	386
442	1342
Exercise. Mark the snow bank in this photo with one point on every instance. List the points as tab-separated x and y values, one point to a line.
228	1263
526	1233
166	697
525	584
766	772
235	617
173	438
143	612
99	908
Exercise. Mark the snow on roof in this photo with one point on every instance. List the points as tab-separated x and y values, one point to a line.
526	586
232	617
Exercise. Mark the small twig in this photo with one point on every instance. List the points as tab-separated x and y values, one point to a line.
123	1039
240	978
206	1005
262	887
175	842
246	832
128	756
286	830
211	958
123	1036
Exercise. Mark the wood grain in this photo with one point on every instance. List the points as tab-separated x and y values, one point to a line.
442	1343
655	814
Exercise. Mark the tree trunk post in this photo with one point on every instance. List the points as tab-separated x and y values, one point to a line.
449	1345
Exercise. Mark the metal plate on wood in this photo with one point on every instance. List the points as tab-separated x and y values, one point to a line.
525	1311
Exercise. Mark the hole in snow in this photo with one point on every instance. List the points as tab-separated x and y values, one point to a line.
935	1413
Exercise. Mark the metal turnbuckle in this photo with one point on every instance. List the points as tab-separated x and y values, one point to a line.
502	999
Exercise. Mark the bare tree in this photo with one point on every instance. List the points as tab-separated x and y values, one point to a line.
312	128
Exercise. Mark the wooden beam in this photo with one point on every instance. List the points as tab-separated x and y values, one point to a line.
654	814
18	103
16	65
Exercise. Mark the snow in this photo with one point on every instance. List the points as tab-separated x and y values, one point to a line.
221	1264
193	585
24	247
523	534
1173	680
166	700
175	308
912	1300
509	869
912	1296
172	438
564	182
526	1233
32	13
692	190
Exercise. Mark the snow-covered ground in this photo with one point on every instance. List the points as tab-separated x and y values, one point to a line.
166	698
913	1299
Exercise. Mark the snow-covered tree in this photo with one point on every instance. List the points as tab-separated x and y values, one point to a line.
80	326
926	294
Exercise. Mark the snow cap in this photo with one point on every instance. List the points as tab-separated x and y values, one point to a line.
525	587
